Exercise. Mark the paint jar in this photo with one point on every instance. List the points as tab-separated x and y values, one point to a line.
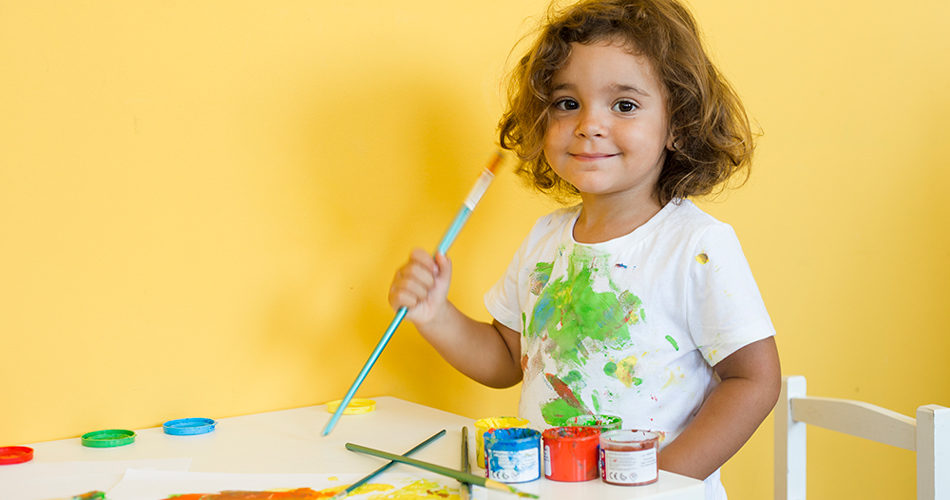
570	453
484	425
628	457
513	455
602	422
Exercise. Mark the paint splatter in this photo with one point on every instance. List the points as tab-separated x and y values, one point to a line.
623	371
672	341
421	489
702	258
570	311
418	490
540	277
565	392
295	494
579	312
92	495
674	379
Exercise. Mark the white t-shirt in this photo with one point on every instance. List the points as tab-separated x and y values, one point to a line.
631	326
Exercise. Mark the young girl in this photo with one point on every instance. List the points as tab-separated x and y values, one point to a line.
633	302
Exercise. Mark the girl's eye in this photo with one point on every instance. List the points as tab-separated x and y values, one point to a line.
625	106
566	104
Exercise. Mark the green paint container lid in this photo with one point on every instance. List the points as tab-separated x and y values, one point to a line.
108	438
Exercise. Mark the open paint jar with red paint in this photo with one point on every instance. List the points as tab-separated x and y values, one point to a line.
628	457
570	453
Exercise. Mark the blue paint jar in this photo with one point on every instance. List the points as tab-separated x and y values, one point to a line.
513	455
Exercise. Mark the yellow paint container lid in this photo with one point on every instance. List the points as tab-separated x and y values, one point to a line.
357	406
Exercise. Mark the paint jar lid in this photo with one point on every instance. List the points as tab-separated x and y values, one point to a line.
108	438
15	454
356	406
188	426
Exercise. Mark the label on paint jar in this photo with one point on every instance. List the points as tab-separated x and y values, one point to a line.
547	460
629	467
513	466
628	457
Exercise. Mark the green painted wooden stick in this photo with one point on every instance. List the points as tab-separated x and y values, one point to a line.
444	471
349	489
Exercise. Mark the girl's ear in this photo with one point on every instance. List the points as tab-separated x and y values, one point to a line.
671	143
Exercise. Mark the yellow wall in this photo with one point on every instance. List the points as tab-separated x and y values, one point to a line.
202	204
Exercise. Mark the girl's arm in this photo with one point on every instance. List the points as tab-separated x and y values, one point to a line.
751	381
488	353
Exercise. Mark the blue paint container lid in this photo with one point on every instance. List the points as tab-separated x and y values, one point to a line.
189	426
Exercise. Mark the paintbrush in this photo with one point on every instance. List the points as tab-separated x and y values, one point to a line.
484	180
380	470
464	477
465	489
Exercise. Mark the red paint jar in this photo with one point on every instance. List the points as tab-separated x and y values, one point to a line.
570	453
628	457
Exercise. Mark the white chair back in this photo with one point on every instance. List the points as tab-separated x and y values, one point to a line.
928	435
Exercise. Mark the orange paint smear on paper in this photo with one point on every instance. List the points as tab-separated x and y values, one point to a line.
417	490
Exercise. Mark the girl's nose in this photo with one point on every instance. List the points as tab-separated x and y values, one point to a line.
590	125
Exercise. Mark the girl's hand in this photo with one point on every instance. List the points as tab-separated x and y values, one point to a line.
422	285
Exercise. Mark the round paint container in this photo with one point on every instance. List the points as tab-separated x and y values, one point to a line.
513	455
188	426
570	453
357	406
108	438
10	455
628	457
484	425
602	422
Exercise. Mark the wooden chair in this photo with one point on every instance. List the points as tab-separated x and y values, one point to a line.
928	435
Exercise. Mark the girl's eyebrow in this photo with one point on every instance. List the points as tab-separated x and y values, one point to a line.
629	88
615	87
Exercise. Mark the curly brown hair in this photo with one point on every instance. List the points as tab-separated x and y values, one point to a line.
709	125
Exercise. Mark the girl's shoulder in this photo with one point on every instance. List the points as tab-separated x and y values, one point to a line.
686	218
686	226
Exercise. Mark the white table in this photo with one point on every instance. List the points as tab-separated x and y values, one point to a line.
290	441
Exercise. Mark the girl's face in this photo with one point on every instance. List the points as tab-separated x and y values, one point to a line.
608	129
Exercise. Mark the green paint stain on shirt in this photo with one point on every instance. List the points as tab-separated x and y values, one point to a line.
558	411
672	341
610	368
540	276
570	311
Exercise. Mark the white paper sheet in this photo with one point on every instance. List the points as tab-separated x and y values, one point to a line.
42	481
